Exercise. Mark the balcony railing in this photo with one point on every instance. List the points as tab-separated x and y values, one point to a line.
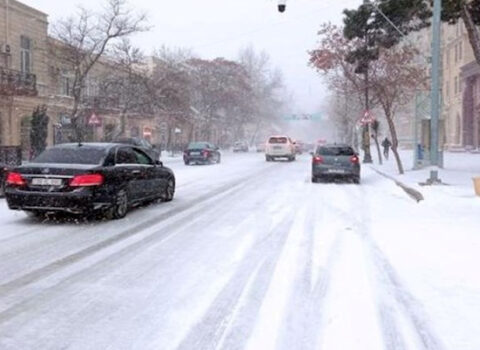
16	83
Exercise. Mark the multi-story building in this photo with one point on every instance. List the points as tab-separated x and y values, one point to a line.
456	52
33	73
23	67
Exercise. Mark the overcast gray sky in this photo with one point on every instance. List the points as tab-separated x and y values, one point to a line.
219	28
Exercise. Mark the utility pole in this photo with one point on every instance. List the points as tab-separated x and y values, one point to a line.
435	94
367	155
435	90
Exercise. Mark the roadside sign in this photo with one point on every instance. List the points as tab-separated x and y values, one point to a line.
147	131
94	120
315	117
367	118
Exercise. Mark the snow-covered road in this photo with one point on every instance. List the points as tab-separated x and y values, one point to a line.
249	255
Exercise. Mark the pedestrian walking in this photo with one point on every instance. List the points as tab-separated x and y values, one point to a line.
386	147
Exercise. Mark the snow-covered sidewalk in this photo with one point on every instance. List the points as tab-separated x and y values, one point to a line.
441	238
457	174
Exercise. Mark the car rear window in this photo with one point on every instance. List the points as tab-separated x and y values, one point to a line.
335	151
77	155
277	140
197	145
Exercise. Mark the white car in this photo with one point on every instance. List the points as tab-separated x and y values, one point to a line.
279	147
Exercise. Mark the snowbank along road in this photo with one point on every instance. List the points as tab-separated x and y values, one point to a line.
249	255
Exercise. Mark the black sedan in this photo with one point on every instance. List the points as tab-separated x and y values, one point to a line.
143	144
86	178
201	153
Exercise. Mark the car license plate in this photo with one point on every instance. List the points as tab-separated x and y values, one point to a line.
336	171
46	182
194	153
277	147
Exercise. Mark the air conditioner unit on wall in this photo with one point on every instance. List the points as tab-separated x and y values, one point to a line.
5	49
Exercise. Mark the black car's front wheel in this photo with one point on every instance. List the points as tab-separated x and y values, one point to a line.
169	191
219	159
120	207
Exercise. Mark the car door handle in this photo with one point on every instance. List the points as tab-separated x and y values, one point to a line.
136	172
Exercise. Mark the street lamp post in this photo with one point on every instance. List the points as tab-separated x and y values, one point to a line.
435	94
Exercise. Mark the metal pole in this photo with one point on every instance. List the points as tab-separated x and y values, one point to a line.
435	94
366	129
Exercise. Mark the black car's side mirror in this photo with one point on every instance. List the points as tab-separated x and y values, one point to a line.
159	163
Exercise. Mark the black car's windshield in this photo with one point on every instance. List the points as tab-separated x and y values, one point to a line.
335	151
69	155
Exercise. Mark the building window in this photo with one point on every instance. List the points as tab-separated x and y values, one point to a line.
25	54
456	86
460	50
66	84
91	88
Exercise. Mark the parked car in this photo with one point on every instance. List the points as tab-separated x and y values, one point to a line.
201	153
335	161
240	146
260	146
86	178
279	147
139	142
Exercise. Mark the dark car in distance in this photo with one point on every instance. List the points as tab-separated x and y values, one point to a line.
86	178
141	143
201	153
335	161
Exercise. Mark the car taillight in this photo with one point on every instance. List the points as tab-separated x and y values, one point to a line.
205	153
87	180
15	179
317	160
354	159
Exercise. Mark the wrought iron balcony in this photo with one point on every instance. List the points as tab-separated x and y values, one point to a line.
16	83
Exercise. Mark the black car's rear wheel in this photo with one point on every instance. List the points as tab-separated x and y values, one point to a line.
169	191
120	207
36	214
187	162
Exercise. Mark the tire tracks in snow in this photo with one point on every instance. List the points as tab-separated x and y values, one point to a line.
174	222
226	324
302	327
392	294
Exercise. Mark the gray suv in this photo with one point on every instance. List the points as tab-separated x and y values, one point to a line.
335	161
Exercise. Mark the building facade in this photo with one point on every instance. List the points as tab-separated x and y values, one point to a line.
456	53
32	74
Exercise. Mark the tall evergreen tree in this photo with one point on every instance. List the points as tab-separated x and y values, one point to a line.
407	16
39	131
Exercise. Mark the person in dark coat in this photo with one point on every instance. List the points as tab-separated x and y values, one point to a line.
386	147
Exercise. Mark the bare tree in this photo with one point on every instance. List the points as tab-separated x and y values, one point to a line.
395	76
267	87
125	86
87	37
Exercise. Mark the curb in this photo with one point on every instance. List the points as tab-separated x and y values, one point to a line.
412	193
